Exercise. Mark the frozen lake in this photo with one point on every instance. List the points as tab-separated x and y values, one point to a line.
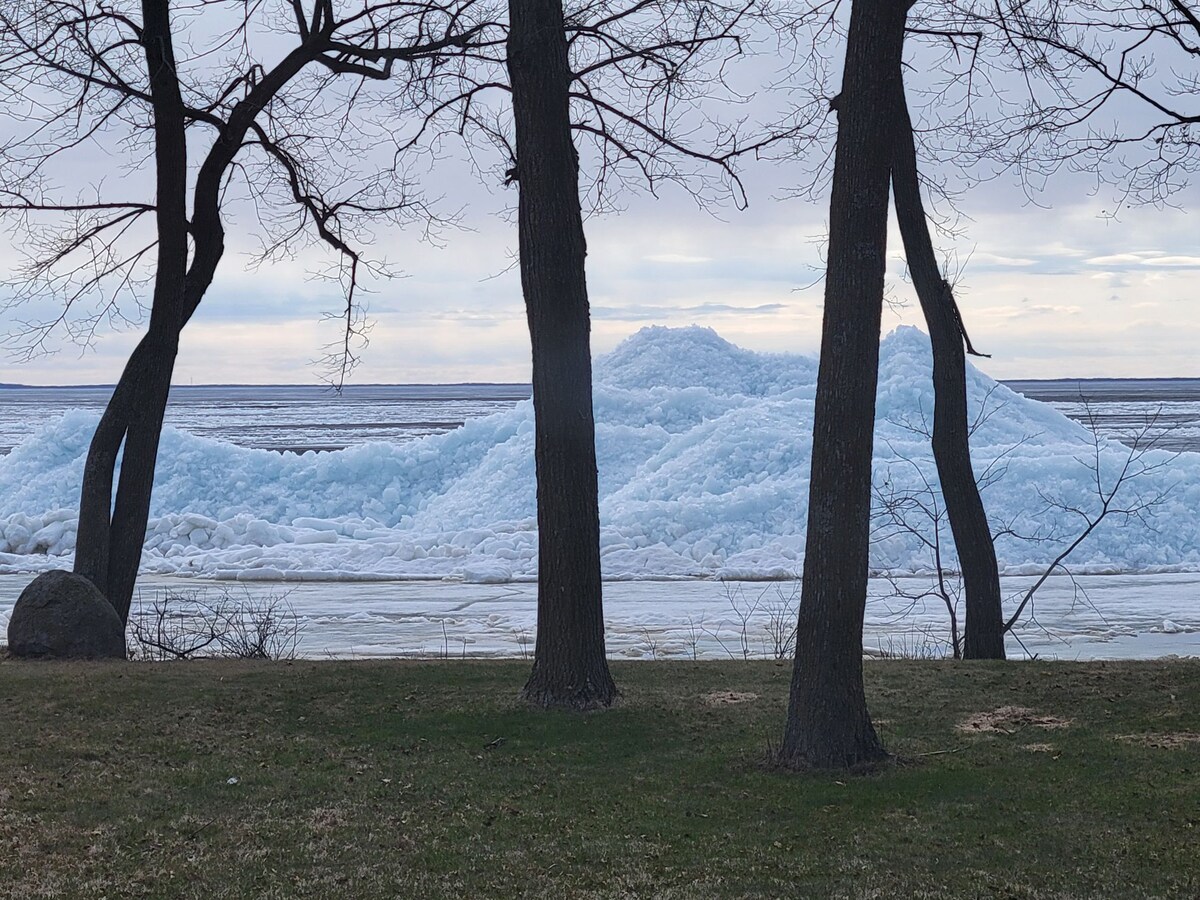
1120	407
300	417
280	417
1121	617
424	542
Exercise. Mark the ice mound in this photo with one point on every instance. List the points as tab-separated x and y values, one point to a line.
703	453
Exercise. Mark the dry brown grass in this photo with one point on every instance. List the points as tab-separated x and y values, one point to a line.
727	698
1009	720
1163	740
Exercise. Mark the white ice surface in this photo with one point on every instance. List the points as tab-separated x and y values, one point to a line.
703	456
1121	616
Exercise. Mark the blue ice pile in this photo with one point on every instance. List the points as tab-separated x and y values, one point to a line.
703	453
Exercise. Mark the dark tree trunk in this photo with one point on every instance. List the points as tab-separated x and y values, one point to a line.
984	634
109	544
110	536
828	725
570	669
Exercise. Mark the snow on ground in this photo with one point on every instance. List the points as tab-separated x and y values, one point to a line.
703	453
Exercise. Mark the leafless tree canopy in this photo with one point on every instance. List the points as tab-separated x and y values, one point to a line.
1110	86
281	125
324	128
652	98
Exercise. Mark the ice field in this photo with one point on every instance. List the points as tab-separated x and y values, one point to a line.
703	453
278	417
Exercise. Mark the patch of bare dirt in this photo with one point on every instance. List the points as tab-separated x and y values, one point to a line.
1166	740
727	698
1009	720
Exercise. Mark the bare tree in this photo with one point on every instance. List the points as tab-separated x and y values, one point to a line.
81	72
1114	88
172	625
917	514
603	94
570	667
1120	488
920	513
1115	495
631	68
962	120
828	725
984	637
1075	62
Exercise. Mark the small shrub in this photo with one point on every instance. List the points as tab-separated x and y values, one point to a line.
213	623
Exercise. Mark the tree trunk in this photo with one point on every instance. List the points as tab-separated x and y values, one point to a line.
570	668
984	633
828	725
110	536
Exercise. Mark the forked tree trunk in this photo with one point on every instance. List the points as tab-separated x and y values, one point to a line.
828	725
570	669
109	544
111	533
110	536
984	633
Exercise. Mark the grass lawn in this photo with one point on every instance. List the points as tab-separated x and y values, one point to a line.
427	779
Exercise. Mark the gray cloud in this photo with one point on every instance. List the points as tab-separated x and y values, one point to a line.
1035	284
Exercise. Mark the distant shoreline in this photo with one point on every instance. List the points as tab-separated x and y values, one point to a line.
510	385
517	386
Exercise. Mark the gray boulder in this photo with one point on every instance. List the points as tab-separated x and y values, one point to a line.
61	615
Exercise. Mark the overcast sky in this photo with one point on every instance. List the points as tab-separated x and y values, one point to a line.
1058	290
1048	292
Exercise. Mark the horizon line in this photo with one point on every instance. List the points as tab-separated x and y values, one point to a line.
521	384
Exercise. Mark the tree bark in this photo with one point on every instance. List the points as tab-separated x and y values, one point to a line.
110	536
828	725
984	633
570	669
112	531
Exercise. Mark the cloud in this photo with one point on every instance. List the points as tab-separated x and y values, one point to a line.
1024	311
1037	280
996	259
1146	258
679	259
1117	259
1189	262
653	313
476	317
